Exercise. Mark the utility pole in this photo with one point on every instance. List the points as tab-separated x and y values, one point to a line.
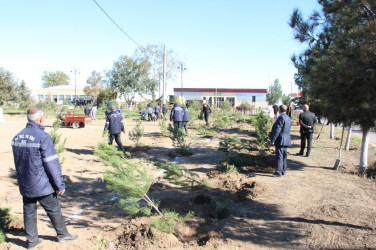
75	71
181	74
164	74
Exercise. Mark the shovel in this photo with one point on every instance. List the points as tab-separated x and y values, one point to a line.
338	161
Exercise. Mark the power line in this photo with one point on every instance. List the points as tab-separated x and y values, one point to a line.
125	33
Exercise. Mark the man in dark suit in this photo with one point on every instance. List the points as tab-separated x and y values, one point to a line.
307	121
281	139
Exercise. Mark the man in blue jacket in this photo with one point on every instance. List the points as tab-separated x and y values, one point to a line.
39	177
114	125
177	115
281	139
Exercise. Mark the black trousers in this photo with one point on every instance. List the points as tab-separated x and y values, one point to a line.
206	119
117	140
281	158
51	205
306	137
178	124
150	118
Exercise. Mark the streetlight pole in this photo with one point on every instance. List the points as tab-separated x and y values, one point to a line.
181	74
75	71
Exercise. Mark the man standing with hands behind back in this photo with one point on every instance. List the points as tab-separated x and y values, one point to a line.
39	177
281	139
307	121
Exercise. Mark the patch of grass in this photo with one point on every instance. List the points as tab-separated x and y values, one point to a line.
170	221
5	219
228	168
218	208
241	160
205	130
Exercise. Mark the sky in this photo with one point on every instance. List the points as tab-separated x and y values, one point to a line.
223	43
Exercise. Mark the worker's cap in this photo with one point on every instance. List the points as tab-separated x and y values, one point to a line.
113	107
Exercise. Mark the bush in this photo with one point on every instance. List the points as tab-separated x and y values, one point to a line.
178	140
263	125
180	175
241	160
5	220
136	134
170	221
226	106
371	171
163	126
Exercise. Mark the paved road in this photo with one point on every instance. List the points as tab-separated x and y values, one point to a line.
372	135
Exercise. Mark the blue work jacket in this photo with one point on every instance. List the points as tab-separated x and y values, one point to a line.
185	115
114	123
176	114
37	163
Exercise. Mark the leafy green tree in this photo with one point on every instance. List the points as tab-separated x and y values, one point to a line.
95	85
106	95
337	70
24	98
7	86
129	76
286	99
275	93
57	78
226	106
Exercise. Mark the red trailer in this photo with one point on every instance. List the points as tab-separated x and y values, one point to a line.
69	118
75	120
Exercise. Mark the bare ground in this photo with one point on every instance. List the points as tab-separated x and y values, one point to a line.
312	206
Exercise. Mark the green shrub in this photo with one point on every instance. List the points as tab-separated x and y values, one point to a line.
179	141
263	125
56	139
136	134
240	160
5	220
170	221
228	168
163	126
371	171
180	175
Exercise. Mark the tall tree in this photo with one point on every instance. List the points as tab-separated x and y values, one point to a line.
337	71
7	86
24	98
154	53
129	76
95	85
57	78
275	93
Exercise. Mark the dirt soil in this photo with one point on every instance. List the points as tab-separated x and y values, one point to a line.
312	206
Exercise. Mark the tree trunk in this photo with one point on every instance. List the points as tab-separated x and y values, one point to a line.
364	151
331	131
347	145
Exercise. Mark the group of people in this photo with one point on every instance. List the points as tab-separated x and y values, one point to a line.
280	136
39	173
180	116
154	113
90	111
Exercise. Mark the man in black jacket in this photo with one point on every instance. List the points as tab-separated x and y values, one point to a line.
307	121
206	110
114	125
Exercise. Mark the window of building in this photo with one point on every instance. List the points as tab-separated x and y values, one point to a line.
54	98
40	97
231	100
61	97
68	98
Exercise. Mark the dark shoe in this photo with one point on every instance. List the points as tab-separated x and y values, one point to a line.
276	174
299	154
283	173
33	245
68	237
307	155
